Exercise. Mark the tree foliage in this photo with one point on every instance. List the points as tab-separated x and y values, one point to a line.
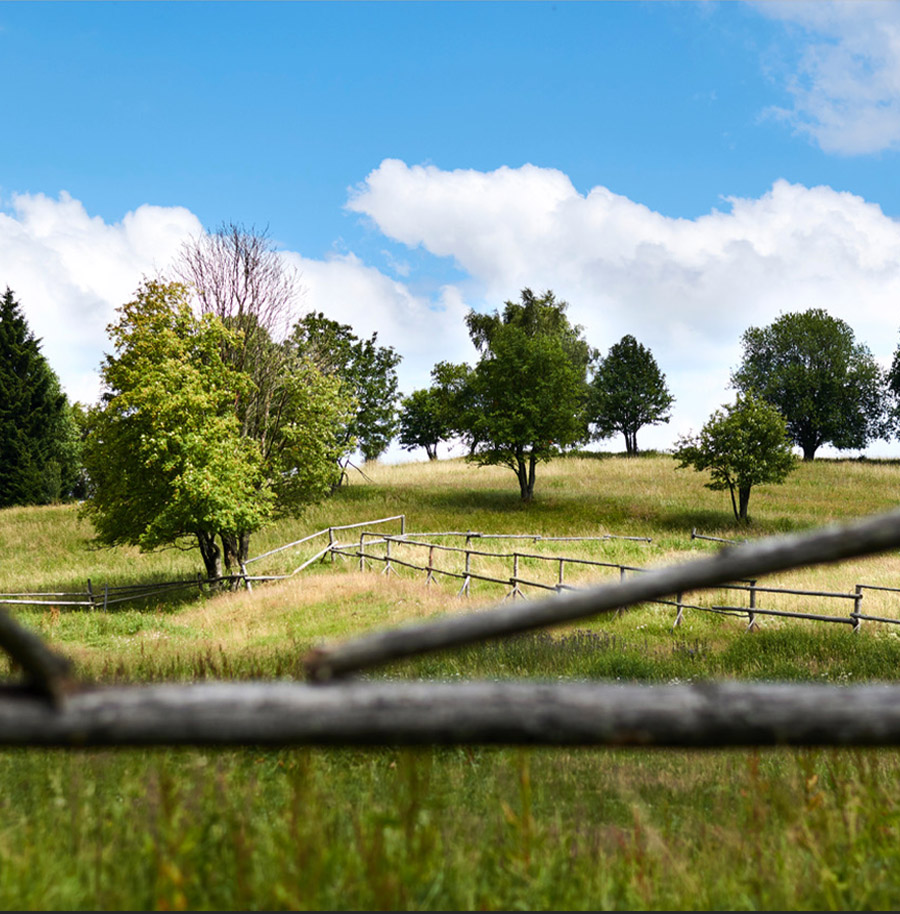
421	424
628	391
39	442
525	400
829	388
742	445
166	450
368	372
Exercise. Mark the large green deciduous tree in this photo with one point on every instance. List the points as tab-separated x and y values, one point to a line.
525	400
742	445
368	372
166	453
39	442
827	386
236	274
628	391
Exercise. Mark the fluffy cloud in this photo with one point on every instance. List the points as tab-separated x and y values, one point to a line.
70	271
846	82
421	330
687	288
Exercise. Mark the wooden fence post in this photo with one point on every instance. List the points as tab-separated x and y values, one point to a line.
429	578
388	568
330	544
679	616
515	592
561	564
247	583
362	555
90	593
751	616
105	595
402	525
857	602
465	587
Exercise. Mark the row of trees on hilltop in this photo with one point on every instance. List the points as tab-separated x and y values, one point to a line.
529	396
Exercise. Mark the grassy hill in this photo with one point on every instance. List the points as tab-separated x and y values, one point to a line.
476	828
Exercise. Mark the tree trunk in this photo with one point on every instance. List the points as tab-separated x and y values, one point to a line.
212	555
526	472
236	550
809	445
744	495
230	549
734	505
431	450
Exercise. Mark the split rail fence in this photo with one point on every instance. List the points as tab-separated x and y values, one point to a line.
106	597
368	540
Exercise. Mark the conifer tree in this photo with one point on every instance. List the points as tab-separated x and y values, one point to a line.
38	439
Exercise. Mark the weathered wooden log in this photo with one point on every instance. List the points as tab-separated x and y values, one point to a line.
458	713
752	560
46	671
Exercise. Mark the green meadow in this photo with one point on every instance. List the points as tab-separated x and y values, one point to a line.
470	827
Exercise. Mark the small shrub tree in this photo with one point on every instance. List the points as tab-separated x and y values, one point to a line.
742	445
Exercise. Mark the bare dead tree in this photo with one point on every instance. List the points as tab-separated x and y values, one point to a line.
237	274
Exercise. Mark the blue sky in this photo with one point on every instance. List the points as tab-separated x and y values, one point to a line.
676	171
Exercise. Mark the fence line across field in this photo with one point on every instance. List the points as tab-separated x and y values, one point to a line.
516	582
112	595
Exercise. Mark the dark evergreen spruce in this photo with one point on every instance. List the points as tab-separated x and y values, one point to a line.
38	438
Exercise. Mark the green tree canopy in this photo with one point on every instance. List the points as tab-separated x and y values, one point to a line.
827	386
421	424
628	391
39	442
525	400
368	372
166	455
742	445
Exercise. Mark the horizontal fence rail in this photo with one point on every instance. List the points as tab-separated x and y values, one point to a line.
375	713
517	585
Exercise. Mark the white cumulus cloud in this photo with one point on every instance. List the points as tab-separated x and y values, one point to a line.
688	288
845	84
70	271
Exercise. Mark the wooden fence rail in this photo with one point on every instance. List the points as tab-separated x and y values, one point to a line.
378	713
748	561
